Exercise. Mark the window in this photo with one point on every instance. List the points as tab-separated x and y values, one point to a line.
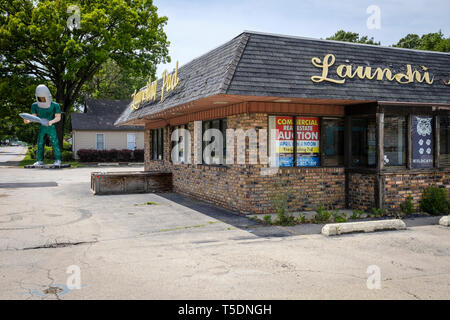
445	141
158	144
307	139
131	141
422	142
394	141
333	142
182	147
282	145
218	157
100	141
363	142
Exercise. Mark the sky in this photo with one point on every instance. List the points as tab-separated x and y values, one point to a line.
195	27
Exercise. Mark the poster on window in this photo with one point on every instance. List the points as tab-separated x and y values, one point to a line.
308	139
285	141
422	138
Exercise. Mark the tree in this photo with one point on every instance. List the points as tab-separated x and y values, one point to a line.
40	39
431	41
112	82
346	36
15	91
411	41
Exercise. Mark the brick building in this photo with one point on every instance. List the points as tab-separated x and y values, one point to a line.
346	125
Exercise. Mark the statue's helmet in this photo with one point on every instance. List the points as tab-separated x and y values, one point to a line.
43	96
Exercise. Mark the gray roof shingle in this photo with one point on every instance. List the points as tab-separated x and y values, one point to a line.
101	115
257	64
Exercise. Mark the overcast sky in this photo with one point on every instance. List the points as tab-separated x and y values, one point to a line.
197	26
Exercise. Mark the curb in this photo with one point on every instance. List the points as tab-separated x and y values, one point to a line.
333	229
445	221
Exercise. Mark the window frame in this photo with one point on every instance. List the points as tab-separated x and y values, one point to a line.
405	141
134	141
96	141
440	154
321	142
222	129
158	151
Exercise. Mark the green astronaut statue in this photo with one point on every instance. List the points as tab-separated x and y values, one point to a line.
45	108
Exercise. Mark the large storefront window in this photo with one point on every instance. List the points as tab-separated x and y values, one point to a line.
307	137
158	144
394	140
333	142
181	140
284	140
364	142
307	141
445	141
218	156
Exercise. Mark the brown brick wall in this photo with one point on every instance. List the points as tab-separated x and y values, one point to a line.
361	191
399	185
241	187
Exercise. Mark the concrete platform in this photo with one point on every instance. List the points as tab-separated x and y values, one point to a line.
333	229
445	221
48	166
127	182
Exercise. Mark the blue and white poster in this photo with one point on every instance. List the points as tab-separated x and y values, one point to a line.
308	161
422	139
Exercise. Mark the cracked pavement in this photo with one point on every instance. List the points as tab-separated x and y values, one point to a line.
184	249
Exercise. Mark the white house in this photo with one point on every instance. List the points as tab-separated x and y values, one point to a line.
94	129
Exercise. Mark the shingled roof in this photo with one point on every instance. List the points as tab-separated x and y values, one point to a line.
100	115
258	64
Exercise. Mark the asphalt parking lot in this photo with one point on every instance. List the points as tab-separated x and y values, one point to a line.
149	246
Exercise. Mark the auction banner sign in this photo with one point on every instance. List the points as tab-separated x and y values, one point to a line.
308	139
285	141
422	139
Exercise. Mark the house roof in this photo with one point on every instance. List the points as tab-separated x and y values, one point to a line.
101	115
268	65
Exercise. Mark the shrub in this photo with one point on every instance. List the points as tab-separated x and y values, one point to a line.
407	206
66	155
339	217
124	155
435	201
378	212
48	153
88	155
322	215
268	219
138	155
302	218
279	197
112	155
67	146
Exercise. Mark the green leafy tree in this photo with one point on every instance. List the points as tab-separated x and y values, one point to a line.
112	82
15	91
39	38
346	36
431	41
411	41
